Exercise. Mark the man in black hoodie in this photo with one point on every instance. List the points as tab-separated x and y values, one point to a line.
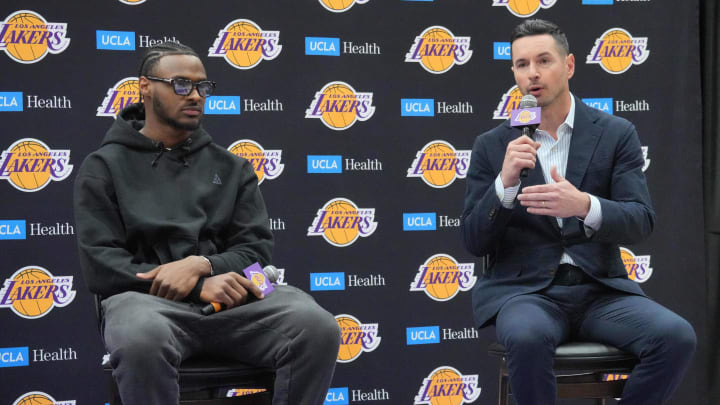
166	222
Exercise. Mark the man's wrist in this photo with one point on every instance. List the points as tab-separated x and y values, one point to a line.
208	266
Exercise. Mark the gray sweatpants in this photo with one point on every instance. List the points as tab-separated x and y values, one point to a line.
148	337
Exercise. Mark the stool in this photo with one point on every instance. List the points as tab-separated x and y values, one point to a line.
579	368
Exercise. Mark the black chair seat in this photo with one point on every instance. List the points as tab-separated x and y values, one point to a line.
579	368
207	381
582	355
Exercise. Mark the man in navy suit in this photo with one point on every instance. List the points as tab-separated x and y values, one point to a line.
552	238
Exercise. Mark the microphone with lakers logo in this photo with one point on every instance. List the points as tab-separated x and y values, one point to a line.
527	118
261	277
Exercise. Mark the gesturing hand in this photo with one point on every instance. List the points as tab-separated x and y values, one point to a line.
560	199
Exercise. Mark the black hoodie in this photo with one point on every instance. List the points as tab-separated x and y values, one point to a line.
139	205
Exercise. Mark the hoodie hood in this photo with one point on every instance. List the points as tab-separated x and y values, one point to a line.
125	131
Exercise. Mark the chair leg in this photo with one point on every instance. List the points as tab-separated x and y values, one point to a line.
504	390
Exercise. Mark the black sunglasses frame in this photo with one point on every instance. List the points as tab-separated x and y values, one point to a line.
194	85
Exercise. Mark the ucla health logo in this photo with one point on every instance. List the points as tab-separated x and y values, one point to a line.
508	102
26	37
446	385
119	96
14	357
12	229
322	46
638	267
327	281
439	164
115	40
422	335
441	277
244	45
11	101
222	105
437	50
339	106
340	6
602	104
501	51
417	107
355	338
616	50
324	164
645	157
39	397
29	165
340	222
32	292
524	8
337	396
267	163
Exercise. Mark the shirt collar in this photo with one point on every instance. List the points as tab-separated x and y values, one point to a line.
570	120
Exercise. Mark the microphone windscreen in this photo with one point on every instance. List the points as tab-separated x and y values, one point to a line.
271	272
528	101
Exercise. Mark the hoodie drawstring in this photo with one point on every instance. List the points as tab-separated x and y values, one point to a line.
186	151
161	150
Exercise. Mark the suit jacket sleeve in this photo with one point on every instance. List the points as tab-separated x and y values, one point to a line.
484	219
628	216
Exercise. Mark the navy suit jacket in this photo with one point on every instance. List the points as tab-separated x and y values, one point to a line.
524	250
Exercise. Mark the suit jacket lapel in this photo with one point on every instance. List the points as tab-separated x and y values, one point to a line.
585	137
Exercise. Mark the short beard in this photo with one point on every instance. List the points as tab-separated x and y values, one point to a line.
162	114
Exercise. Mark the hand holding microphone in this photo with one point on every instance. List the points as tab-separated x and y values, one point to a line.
231	289
521	153
527	118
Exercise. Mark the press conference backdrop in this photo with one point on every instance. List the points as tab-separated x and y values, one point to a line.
359	117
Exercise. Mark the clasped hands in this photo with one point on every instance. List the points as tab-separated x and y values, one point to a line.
175	280
559	199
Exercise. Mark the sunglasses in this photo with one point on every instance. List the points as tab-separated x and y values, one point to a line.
183	87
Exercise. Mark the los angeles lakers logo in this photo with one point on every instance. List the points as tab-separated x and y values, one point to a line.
26	37
340	222
524	8
616	50
339	106
447	386
132	2
40	398
356	338
339	6
29	165
508	102
441	277
241	392
266	163
244	45
438	164
119	96
32	292
638	267
437	50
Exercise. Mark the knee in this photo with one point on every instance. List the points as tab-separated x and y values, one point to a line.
676	338
528	341
318	328
681	337
144	341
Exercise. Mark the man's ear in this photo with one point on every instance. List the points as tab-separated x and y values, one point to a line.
144	86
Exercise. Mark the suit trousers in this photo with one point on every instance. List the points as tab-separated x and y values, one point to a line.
531	327
148	337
